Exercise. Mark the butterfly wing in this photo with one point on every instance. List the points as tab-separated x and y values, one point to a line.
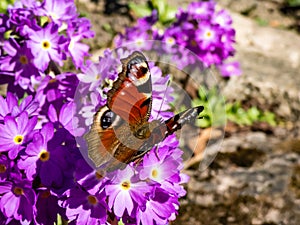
130	96
101	139
110	140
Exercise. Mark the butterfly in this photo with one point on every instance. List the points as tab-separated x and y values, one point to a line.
120	132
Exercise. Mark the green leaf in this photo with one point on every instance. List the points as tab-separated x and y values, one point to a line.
4	4
169	15
293	3
253	114
121	222
140	10
160	5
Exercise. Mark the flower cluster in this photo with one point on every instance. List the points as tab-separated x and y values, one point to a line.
34	36
200	28
44	115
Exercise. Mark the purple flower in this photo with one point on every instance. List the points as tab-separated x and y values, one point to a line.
125	187
58	10
37	151
159	169
66	118
48	208
202	9
85	207
5	165
21	19
4	26
9	106
230	69
48	158
17	201
207	33
94	74
56	90
135	37
77	30
46	44
159	208
161	94
223	19
19	61
148	21
15	132
208	36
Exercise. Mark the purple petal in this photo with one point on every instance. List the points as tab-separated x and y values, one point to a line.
10	204
119	206
47	131
52	114
5	187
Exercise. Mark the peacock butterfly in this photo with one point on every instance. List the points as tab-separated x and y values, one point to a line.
121	132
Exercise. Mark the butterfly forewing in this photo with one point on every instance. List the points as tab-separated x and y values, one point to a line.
130	97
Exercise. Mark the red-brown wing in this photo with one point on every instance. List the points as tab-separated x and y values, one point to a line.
102	141
110	140
130	96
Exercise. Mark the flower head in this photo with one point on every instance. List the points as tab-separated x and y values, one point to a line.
58	11
46	44
48	208
15	132
125	187
230	69
158	209
201	9
85	207
17	201
77	30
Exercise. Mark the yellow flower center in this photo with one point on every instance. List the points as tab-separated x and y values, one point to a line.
46	45
170	40
208	34
154	173
139	42
44	155
92	200
18	191
125	185
18	139
23	59
2	168
199	10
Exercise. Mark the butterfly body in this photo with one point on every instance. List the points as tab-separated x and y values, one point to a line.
121	132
